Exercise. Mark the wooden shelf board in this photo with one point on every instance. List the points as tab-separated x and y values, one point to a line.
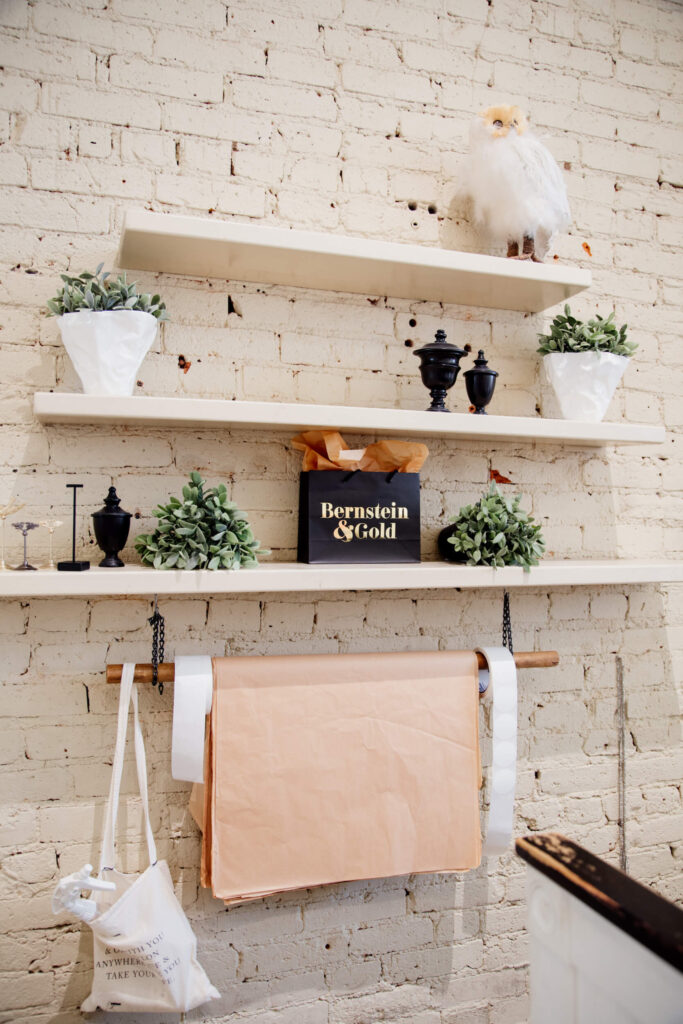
203	247
57	407
285	577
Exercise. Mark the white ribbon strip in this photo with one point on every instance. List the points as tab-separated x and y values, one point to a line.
501	677
192	696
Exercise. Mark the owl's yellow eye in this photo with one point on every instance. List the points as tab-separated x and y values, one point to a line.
497	124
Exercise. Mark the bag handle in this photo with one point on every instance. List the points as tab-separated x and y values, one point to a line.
128	693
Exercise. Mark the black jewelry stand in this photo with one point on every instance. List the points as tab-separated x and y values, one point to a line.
74	565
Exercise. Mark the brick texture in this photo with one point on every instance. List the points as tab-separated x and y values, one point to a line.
349	116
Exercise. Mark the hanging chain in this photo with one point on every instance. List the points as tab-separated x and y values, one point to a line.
158	625
507	622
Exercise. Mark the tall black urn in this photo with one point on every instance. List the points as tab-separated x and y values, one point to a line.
111	525
480	381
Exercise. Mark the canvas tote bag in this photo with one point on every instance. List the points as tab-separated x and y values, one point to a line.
145	952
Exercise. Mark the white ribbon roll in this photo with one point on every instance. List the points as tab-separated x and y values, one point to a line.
192	697
501	677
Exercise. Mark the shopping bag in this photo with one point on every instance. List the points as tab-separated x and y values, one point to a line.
145	952
354	516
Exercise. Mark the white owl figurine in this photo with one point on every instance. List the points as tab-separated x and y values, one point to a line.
516	188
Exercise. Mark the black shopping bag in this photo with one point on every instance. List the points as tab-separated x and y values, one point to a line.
347	516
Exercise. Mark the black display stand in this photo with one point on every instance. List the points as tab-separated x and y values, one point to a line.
74	565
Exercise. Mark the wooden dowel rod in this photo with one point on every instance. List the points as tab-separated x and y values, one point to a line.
143	673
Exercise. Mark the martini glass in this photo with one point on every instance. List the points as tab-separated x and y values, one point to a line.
9	509
25	527
51	525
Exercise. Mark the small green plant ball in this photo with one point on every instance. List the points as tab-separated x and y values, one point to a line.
203	531
567	334
494	531
97	293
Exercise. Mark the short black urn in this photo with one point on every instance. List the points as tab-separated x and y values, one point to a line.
480	382
111	526
439	367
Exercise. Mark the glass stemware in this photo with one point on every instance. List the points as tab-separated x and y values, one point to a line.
25	527
51	525
9	509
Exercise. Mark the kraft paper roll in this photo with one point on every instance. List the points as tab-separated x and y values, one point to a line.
192	697
501	678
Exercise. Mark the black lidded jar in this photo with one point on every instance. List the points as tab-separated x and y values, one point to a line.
480	382
439	367
111	525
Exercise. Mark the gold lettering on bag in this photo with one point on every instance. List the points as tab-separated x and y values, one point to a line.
346	530
343	532
393	511
361	531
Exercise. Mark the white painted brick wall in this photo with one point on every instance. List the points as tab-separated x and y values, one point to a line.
334	115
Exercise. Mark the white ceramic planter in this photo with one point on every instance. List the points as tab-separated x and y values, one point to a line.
584	382
107	347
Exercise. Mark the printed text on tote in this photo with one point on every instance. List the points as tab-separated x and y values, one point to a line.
144	961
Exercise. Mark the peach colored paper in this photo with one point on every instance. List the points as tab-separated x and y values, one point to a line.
323	450
327	768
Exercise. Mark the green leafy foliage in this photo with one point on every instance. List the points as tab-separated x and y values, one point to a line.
495	531
203	531
99	292
567	334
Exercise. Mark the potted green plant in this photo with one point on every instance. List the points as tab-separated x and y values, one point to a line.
493	531
203	531
107	328
584	361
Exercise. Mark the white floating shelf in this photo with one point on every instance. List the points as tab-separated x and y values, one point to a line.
56	407
202	247
282	577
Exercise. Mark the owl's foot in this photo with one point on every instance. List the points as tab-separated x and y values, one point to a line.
528	250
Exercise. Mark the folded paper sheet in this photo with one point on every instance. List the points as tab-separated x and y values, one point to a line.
327	449
337	767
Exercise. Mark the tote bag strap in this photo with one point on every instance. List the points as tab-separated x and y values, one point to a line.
128	693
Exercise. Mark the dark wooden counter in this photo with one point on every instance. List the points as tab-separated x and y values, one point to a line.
639	911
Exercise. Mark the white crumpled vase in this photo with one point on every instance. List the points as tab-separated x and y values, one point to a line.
107	347
584	382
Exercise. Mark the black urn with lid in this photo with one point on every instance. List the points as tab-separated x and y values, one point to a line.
439	367
480	380
111	525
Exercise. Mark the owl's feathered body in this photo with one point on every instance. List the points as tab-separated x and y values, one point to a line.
515	185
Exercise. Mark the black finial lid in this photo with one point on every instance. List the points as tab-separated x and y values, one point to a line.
111	505
440	345
481	367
